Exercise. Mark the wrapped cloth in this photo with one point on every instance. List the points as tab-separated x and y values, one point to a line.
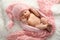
29	32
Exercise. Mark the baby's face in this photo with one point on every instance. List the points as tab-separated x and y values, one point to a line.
26	13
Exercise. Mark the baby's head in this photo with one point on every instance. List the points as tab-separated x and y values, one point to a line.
18	9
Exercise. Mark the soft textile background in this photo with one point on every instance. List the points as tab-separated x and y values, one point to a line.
4	19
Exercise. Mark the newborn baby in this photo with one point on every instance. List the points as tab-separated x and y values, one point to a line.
33	18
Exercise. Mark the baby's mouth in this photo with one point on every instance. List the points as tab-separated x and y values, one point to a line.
32	18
